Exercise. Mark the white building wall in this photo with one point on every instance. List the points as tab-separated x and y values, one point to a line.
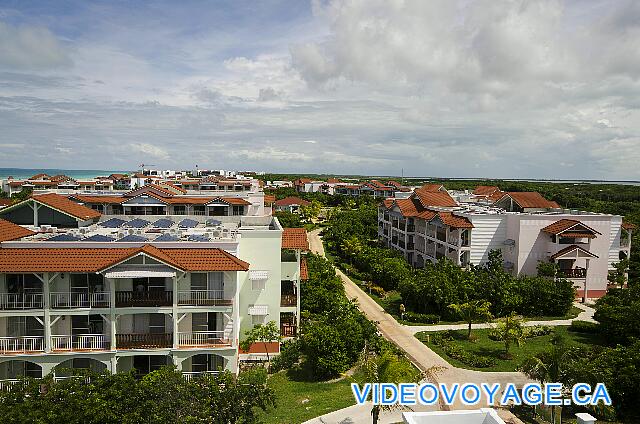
488	233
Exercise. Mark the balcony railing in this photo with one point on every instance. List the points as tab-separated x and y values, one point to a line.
70	300
144	298
80	342
288	330
202	339
573	273
288	300
203	298
411	228
24	344
17	301
190	375
625	242
144	341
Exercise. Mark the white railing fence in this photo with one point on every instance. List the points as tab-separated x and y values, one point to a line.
80	342
22	344
202	338
202	298
13	301
62	300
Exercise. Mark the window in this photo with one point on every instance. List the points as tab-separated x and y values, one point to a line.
238	210
156	324
257	319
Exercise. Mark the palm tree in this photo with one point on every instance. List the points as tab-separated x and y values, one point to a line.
511	331
550	365
386	367
351	247
474	311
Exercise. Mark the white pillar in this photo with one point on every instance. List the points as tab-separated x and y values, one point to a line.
47	312
112	313
174	311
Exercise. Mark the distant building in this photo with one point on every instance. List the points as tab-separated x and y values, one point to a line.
290	204
527	228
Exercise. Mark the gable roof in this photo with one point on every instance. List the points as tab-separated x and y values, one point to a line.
529	199
295	238
99	259
452	220
628	226
431	187
570	224
485	190
269	199
569	249
61	204
434	198
292	200
11	231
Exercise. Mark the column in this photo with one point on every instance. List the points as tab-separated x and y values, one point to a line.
112	312
174	311
298	294
47	312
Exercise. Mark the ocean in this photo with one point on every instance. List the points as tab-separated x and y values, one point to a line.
78	174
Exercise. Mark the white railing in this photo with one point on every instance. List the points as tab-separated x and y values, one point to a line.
203	338
6	385
13	301
24	344
80	342
203	298
188	375
70	300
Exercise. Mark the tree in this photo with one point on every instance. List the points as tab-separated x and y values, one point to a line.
386	367
288	219
24	194
619	275
547	269
510	331
550	365
351	247
473	311
311	211
264	334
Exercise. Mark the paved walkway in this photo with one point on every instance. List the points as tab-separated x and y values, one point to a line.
423	357
585	315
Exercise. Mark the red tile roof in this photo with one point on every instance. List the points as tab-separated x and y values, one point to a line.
11	231
98	199
269	199
66	206
291	200
434	198
530	199
295	238
628	226
6	202
98	259
431	187
566	224
407	207
333	181
485	190
455	221
304	270
570	249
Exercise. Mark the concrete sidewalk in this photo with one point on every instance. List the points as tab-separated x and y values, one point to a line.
585	315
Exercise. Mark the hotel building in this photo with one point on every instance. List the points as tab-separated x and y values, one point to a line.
527	228
143	279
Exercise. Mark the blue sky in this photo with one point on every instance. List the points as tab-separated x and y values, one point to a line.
518	89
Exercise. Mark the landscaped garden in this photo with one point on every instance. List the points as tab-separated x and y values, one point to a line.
482	349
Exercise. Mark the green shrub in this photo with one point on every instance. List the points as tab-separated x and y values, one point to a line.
377	290
421	318
537	330
584	327
289	355
457	352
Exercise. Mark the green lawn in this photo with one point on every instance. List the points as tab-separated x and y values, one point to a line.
299	401
484	346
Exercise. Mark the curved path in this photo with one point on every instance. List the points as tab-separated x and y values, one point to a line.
585	315
423	357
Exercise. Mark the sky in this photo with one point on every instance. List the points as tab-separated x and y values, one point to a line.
494	89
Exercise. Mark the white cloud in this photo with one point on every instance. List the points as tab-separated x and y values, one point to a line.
151	150
30	48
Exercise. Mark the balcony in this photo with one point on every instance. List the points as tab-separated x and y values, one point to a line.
154	298
411	228
625	242
20	301
24	344
80	342
71	300
203	298
288	330
410	246
573	273
288	300
203	339
144	341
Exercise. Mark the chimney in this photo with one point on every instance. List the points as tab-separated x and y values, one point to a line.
584	418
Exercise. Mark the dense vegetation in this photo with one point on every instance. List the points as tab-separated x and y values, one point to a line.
334	332
162	396
351	236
